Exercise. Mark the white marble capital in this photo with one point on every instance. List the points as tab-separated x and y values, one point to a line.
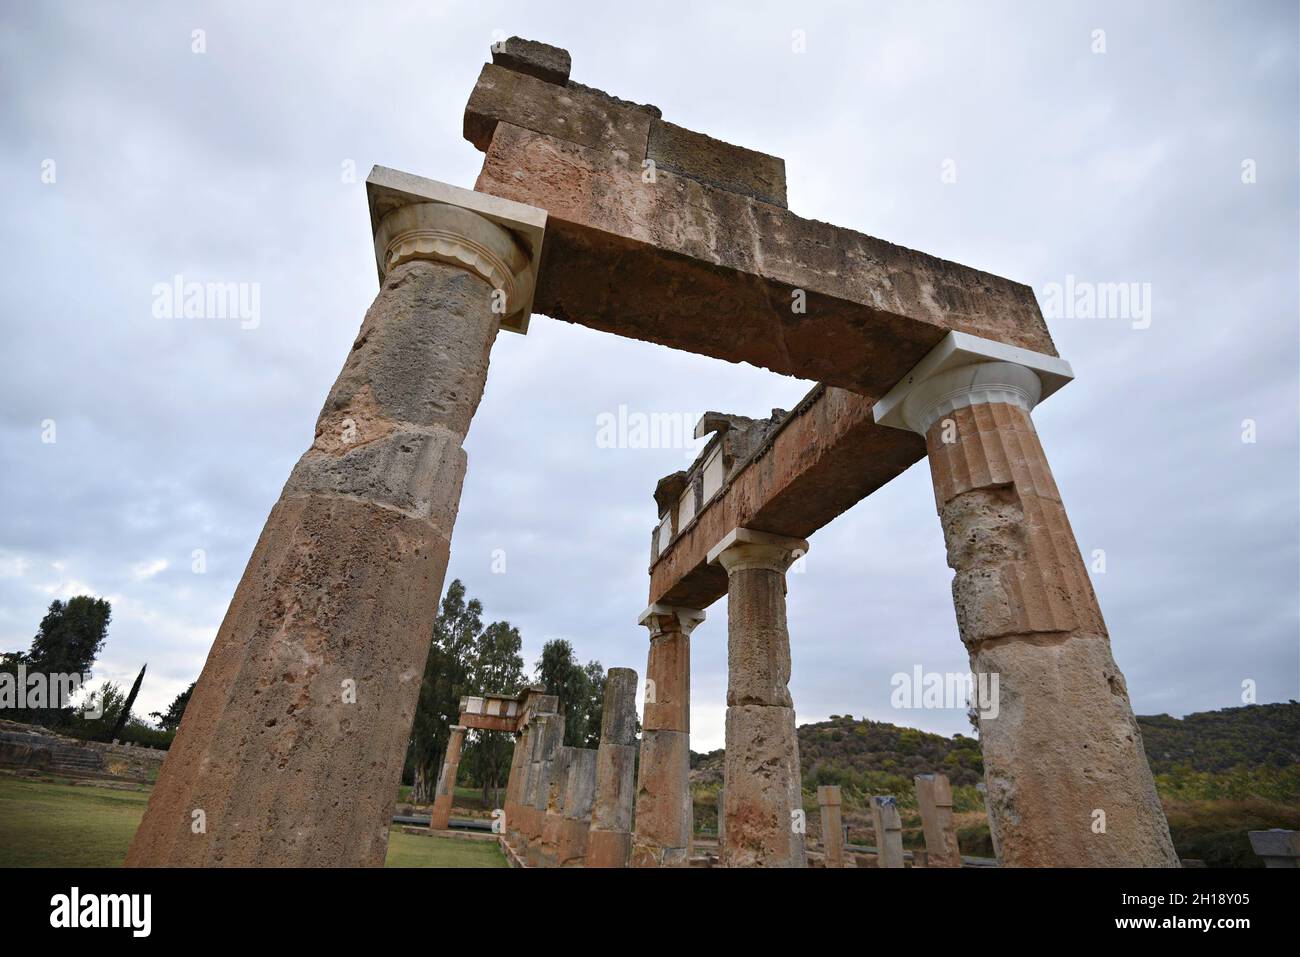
743	548
416	218
964	370
659	619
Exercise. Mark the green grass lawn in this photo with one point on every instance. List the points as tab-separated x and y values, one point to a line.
58	824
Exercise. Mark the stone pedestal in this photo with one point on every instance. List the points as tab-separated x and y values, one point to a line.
829	801
1277	848
663	800
889	831
934	799
1068	782
761	770
445	793
609	841
292	745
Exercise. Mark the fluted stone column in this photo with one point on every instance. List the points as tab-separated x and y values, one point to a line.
829	801
934	800
761	770
547	742
515	782
571	837
445	792
609	841
1068	781
543	852
663	798
888	825
292	746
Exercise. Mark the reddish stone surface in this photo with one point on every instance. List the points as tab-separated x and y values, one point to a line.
1063	748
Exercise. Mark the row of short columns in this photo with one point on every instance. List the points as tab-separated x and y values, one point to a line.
934	801
568	806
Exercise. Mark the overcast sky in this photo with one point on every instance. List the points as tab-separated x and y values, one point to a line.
227	165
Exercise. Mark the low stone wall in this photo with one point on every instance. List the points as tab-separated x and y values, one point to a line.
28	747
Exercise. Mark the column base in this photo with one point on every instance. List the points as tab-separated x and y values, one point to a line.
608	848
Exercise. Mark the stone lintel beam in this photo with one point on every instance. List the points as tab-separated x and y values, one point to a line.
490	722
824	457
677	249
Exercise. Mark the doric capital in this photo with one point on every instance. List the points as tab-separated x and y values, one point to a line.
668	619
744	548
965	370
417	218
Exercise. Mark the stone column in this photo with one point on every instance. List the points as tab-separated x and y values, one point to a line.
829	800
1068	782
761	771
515	783
292	745
663	798
548	738
889	831
934	799
609	842
722	819
575	813
445	793
543	852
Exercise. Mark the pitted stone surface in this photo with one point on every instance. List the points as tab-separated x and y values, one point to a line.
934	801
1059	738
541	60
762	789
610	842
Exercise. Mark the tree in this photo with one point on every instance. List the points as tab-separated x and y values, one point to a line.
67	642
446	678
170	719
580	690
498	668
126	707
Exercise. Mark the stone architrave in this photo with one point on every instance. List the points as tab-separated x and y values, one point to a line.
445	793
609	841
934	799
1068	780
662	835
889	831
829	801
292	746
764	798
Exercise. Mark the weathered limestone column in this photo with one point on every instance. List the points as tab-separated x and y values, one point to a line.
543	852
609	841
445	793
575	812
292	745
889	831
515	782
1068	782
761	770
663	798
547	742
829	800
934	799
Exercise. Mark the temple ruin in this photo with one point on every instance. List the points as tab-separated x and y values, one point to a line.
596	210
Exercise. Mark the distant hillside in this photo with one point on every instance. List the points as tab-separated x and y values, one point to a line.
844	750
1259	735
